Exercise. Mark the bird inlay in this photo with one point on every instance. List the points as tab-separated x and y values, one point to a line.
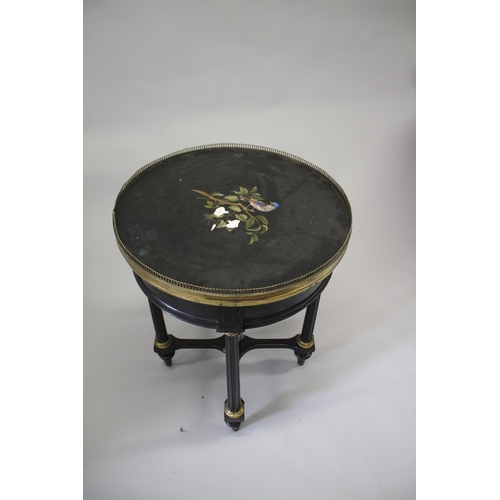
228	211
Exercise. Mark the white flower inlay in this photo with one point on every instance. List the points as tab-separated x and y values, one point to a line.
213	227
220	212
233	223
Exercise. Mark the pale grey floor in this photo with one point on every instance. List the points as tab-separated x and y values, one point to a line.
331	82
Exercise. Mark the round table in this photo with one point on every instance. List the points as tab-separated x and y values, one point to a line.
232	237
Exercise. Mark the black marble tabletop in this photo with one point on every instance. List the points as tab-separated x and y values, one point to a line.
232	217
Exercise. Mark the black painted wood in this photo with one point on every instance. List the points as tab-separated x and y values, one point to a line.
233	372
309	321
306	336
185	220
235	344
208	316
158	322
234	402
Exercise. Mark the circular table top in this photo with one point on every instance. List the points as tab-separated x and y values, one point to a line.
231	224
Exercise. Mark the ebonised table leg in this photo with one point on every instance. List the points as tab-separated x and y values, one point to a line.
234	406
163	340
305	340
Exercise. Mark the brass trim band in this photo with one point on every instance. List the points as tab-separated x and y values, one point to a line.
163	345
234	414
235	297
304	345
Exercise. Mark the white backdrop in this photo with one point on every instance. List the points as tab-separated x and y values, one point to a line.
334	83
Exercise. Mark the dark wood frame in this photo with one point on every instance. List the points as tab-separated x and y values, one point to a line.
232	322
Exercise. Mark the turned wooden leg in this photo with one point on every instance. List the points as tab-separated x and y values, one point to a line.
234	406
305	340
163	340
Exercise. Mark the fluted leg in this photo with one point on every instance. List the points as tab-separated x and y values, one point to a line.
234	406
163	340
305	340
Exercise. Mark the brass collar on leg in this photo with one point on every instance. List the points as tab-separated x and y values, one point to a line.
305	345
163	345
234	414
